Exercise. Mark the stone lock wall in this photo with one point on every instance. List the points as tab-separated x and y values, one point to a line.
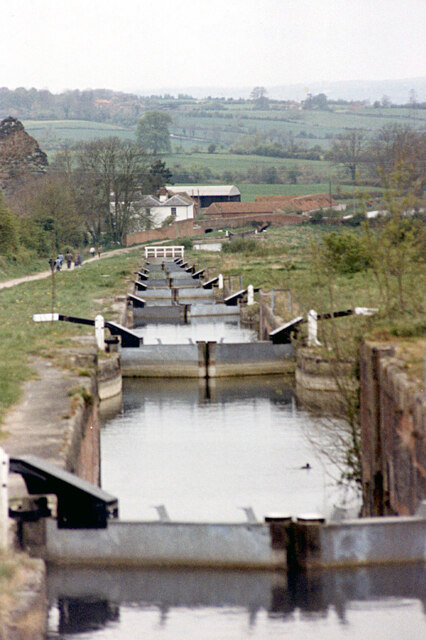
393	418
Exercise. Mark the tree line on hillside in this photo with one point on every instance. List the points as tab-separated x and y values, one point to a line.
104	105
376	158
363	158
98	105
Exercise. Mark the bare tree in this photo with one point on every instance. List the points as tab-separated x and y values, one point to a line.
396	146
111	173
348	150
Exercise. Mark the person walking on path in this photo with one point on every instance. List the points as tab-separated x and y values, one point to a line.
92	251
99	251
77	262
68	258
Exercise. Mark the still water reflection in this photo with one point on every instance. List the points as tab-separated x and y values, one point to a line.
206	451
376	603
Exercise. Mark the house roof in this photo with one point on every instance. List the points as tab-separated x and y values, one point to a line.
223	208
305	202
174	201
178	201
273	204
206	190
149	201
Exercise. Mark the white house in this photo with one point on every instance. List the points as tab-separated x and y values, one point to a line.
176	208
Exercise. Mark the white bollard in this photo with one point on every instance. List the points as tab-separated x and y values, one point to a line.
250	295
4	500
100	332
313	329
220	281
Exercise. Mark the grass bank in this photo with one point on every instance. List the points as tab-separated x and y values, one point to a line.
283	258
83	292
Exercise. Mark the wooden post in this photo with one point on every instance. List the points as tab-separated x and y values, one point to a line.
4	500
100	332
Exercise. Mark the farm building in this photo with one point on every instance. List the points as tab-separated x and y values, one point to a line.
204	196
273	205
306	203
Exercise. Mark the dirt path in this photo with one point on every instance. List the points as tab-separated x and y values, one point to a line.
45	274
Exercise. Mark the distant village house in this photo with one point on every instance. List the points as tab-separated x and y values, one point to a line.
205	195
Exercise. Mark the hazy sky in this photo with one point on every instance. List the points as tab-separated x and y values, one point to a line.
137	44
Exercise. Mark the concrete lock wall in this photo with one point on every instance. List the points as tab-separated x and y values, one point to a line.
156	294
250	358
373	541
155	312
194	293
207	360
300	544
200	309
164	361
165	544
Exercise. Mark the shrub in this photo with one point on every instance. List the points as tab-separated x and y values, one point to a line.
345	252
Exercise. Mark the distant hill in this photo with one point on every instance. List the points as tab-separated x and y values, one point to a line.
398	91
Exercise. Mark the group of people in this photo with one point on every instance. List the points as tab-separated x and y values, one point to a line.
56	264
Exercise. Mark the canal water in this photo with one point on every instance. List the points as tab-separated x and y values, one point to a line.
207	452
362	604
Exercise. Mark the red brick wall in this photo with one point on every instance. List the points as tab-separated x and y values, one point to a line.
393	419
277	219
177	230
190	228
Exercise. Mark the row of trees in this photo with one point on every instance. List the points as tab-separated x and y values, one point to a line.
100	105
379	157
88	194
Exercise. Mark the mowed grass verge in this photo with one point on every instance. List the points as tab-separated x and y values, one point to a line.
83	292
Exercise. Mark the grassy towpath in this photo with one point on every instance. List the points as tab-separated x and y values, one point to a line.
45	274
83	292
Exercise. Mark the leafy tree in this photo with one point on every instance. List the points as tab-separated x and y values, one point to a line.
153	133
158	176
318	102
345	252
9	230
293	174
348	150
396	252
258	95
49	217
211	148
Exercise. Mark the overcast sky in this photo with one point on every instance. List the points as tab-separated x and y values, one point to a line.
148	44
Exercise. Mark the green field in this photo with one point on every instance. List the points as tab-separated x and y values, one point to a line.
235	162
52	134
195	127
250	191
